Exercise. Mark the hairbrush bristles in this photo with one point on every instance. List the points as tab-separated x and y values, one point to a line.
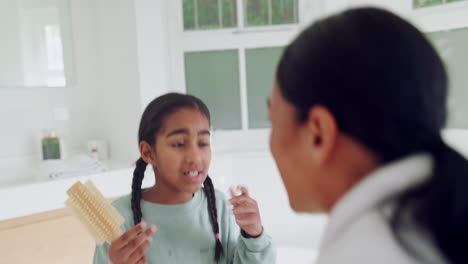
99	217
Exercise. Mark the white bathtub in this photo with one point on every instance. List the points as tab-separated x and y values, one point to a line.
31	193
17	176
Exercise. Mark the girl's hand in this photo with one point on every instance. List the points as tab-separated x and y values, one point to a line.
246	212
131	247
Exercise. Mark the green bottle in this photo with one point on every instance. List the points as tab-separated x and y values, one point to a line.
51	146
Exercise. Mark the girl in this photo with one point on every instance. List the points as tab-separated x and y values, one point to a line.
194	223
357	110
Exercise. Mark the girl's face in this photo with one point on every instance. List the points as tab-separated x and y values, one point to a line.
183	152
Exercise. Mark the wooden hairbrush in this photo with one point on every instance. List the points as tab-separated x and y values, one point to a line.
99	217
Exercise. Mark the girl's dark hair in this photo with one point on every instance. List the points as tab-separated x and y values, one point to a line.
151	122
387	87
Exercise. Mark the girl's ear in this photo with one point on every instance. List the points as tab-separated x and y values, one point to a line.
146	152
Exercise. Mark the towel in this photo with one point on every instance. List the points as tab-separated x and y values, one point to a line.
80	165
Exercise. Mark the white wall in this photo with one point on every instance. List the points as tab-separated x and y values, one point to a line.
118	93
10	65
153	48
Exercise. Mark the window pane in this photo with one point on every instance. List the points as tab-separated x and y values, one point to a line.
284	12
189	14
261	68
229	13
451	45
213	76
209	14
271	12
256	12
426	3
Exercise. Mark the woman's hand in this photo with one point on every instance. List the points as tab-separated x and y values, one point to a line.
131	247
246	212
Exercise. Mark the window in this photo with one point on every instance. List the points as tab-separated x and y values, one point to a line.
42	48
213	76
451	45
217	14
428	3
54	54
209	14
270	12
226	53
260	67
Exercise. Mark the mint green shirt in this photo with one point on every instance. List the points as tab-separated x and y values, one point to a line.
185	234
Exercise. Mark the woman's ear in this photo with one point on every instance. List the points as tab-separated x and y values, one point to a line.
146	152
321	132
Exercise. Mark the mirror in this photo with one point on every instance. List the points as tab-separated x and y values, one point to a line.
35	44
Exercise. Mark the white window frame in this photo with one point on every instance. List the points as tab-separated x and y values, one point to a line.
444	17
429	19
438	18
240	38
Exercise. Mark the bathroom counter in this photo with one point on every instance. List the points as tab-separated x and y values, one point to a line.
31	195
